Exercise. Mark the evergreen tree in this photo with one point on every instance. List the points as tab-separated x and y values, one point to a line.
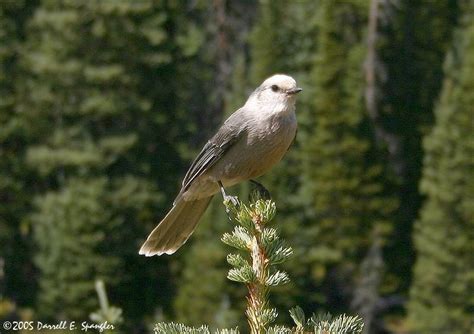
414	37
97	98
268	40
440	298
15	251
70	232
341	181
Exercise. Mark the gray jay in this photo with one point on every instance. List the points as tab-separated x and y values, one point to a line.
248	144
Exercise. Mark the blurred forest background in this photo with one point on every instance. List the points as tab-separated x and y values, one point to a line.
103	104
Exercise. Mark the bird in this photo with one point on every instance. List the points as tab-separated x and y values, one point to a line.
248	144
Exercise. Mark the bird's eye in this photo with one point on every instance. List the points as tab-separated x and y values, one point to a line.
275	88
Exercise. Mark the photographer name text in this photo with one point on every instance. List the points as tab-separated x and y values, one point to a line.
59	326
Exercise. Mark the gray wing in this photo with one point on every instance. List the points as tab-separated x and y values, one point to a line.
230	132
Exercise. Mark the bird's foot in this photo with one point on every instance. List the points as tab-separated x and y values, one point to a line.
231	200
258	191
231	203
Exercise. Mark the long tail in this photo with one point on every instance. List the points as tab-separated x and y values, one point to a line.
175	229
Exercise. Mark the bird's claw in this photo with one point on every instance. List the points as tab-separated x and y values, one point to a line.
231	204
234	200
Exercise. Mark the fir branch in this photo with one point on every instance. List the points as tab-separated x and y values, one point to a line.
236	260
244	274
264	250
174	328
325	323
261	250
278	278
298	317
342	324
228	331
279	330
239	238
106	313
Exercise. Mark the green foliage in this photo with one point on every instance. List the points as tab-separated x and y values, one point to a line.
444	233
325	323
321	324
106	313
15	195
415	38
257	271
94	122
273	41
342	324
74	219
173	328
341	194
343	184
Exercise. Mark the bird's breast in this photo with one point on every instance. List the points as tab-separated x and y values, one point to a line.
266	143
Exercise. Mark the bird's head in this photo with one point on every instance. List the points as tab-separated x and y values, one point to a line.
277	89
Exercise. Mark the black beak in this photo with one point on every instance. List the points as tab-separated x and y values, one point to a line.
294	91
